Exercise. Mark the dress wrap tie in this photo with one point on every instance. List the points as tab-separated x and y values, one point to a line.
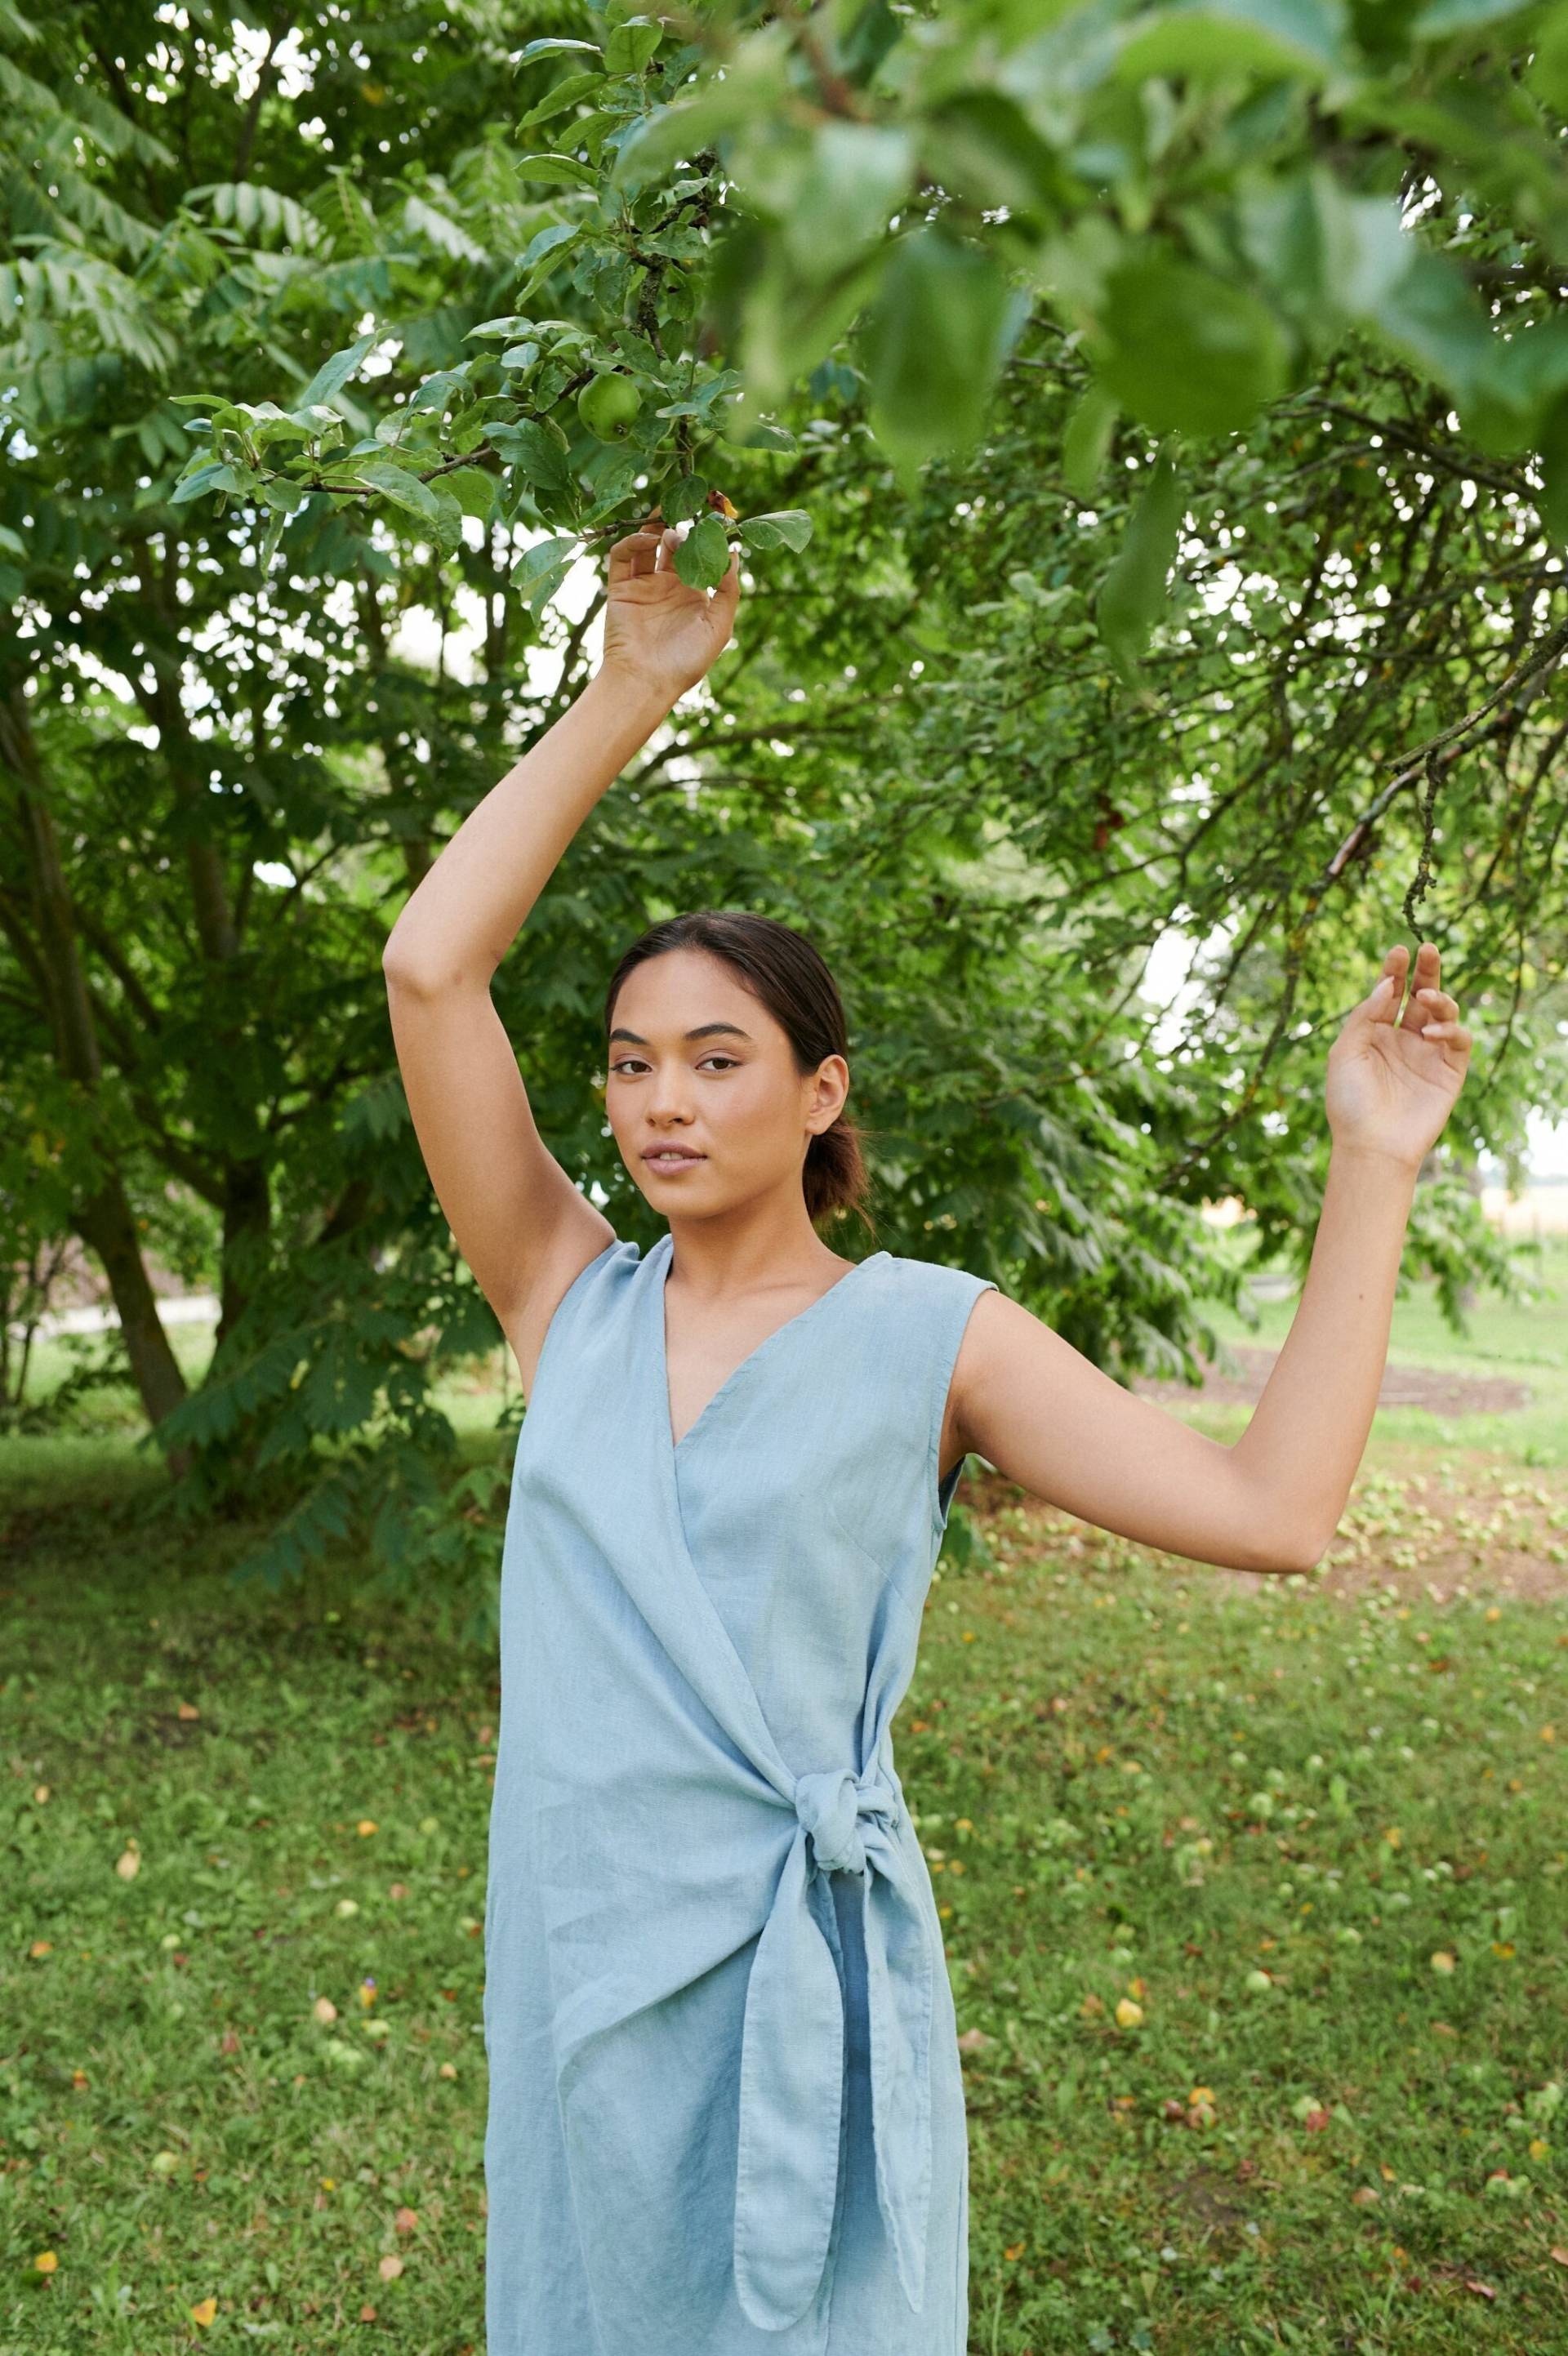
792	2053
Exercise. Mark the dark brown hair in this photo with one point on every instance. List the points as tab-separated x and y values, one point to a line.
782	969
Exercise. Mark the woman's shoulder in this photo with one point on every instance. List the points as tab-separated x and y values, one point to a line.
937	1294
941	1279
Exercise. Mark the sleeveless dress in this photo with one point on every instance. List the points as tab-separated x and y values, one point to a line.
727	2112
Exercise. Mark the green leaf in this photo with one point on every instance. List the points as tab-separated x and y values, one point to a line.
1183	349
449	519
553	45
700	403
541	569
1548	71
320	419
855	174
213	477
437	390
1132	594
270	539
1087	439
1433	318
787	528
540	557
610	474
558	171
631	45
509	328
1515	398
760	435
267	424
447	236
1329	256
756	75
982	148
674	132
702	558
681	496
1218	39
474	490
789	324
333	373
1445	17
543	242
565	93
533	450
403	490
942	324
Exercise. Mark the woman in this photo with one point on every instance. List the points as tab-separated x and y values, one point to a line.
726	2110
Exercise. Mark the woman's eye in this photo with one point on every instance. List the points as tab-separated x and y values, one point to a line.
631	1064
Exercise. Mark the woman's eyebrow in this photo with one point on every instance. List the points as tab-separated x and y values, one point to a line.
702	1031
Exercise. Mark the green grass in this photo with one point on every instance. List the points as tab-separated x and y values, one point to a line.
1156	1783
1136	1779
1525	1340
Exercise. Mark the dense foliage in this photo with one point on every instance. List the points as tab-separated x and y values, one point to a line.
1142	430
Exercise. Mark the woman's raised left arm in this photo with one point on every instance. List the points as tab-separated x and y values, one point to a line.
1050	1419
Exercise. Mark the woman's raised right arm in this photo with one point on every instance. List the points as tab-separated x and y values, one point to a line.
524	1228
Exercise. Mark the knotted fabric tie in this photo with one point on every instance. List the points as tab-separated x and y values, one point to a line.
792	2053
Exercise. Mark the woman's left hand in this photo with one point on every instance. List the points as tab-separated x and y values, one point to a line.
1392	1078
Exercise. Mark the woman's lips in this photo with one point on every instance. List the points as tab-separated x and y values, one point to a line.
669	1162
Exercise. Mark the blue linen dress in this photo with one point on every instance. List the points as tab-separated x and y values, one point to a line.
727	2106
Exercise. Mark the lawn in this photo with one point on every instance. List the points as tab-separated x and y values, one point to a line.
1254	1893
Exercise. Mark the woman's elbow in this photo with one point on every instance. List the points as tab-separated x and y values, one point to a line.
1292	1550
409	976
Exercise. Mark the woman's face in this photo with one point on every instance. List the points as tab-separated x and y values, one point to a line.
697	1065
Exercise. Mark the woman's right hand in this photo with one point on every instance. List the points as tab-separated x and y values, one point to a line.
658	633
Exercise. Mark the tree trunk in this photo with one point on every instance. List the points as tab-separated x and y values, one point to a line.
247	1213
106	1222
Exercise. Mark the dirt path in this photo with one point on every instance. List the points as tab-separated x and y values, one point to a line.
1481	1527
1427	1520
1443	1394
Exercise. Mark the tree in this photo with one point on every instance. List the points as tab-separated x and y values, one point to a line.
968	738
1209	198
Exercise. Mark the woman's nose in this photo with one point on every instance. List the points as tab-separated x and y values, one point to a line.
668	1098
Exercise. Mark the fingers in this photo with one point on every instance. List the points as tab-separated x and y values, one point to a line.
1383	1003
1430	1010
1424	975
1385	1000
1440	1019
1448	1032
651	548
638	552
1429	1013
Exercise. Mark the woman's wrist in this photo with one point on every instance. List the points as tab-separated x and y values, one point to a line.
630	696
1354	1152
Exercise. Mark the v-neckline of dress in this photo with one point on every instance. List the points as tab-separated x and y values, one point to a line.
673	1447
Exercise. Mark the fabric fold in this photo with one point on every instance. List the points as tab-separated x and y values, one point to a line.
792	2047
